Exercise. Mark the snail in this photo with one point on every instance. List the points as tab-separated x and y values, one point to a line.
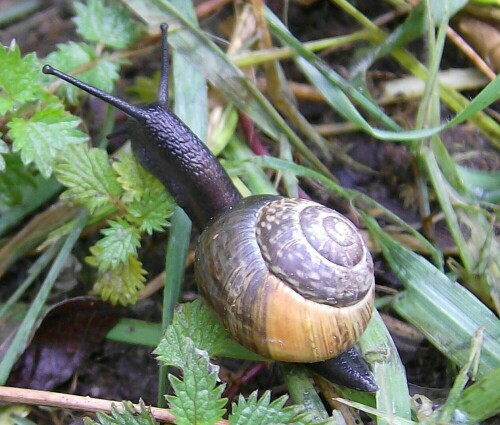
290	279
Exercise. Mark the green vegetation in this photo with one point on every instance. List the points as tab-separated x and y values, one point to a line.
451	298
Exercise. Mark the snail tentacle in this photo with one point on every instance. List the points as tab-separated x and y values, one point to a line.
300	292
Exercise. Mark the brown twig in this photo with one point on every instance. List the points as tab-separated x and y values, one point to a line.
209	6
158	282
468	51
76	402
351	417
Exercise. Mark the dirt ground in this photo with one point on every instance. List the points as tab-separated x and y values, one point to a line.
119	371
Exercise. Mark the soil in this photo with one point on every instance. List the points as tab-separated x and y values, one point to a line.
119	371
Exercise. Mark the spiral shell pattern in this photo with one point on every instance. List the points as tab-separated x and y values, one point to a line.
290	279
309	246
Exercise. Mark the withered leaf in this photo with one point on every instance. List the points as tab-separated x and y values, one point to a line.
66	335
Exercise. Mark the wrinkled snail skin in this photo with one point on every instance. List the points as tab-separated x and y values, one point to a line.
281	312
349	369
166	147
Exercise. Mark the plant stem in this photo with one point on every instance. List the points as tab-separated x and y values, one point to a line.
75	402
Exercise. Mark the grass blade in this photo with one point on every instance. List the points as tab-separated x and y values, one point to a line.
444	311
191	105
361	200
211	62
335	90
377	346
25	330
474	405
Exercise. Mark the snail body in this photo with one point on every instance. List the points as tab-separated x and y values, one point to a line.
290	279
305	263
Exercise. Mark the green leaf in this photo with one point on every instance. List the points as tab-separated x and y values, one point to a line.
71	56
413	27
152	211
122	284
88	176
261	412
195	321
127	415
111	25
41	137
134	179
18	79
148	204
197	397
378	348
198	322
447	409
120	241
14	181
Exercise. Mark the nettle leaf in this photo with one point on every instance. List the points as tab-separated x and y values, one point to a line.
194	332
152	211
18	79
41	137
195	321
197	397
71	56
111	25
262	412
125	416
149	205
89	177
134	179
122	284
120	241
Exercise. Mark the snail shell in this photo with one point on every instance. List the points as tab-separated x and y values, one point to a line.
290	279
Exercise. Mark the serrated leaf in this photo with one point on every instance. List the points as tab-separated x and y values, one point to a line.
195	321
126	416
120	241
41	137
152	211
18	79
261	411
111	25
71	56
122	284
89	177
134	179
148	204
197	397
